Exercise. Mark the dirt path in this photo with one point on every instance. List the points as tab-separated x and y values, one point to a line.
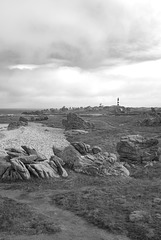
72	226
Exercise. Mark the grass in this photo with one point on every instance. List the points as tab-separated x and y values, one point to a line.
107	202
17	218
109	205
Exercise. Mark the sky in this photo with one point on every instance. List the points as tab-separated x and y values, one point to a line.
75	53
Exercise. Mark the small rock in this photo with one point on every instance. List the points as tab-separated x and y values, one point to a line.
51	125
121	200
150	233
138	216
74	132
96	150
157	200
158	215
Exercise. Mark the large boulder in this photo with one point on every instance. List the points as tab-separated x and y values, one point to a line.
43	169
98	164
70	156
57	151
32	151
57	162
101	164
137	149
28	163
16	125
73	121
19	167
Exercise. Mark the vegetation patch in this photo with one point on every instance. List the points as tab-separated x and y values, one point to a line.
17	218
110	204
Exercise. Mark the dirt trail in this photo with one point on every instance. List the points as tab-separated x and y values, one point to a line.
72	226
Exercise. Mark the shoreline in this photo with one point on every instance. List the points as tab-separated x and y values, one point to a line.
42	138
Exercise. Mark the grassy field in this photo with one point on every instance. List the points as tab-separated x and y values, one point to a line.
18	218
105	202
108	202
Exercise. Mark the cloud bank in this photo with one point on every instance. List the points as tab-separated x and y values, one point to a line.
47	87
79	52
83	33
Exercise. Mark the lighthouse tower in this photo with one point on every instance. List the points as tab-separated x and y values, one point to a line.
118	102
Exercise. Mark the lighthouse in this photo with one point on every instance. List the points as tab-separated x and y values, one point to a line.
118	101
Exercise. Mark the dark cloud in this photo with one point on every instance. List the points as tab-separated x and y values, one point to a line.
81	33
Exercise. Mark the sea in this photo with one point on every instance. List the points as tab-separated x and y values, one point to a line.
13	111
9	112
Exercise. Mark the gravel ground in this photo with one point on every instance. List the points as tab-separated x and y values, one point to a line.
36	136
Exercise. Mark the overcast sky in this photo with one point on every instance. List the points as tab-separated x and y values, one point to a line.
79	53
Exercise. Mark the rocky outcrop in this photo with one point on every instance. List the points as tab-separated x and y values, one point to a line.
73	121
28	163
84	148
101	164
16	125
150	121
137	149
23	119
98	164
57	163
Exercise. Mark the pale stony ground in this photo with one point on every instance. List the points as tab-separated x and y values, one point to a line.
35	135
